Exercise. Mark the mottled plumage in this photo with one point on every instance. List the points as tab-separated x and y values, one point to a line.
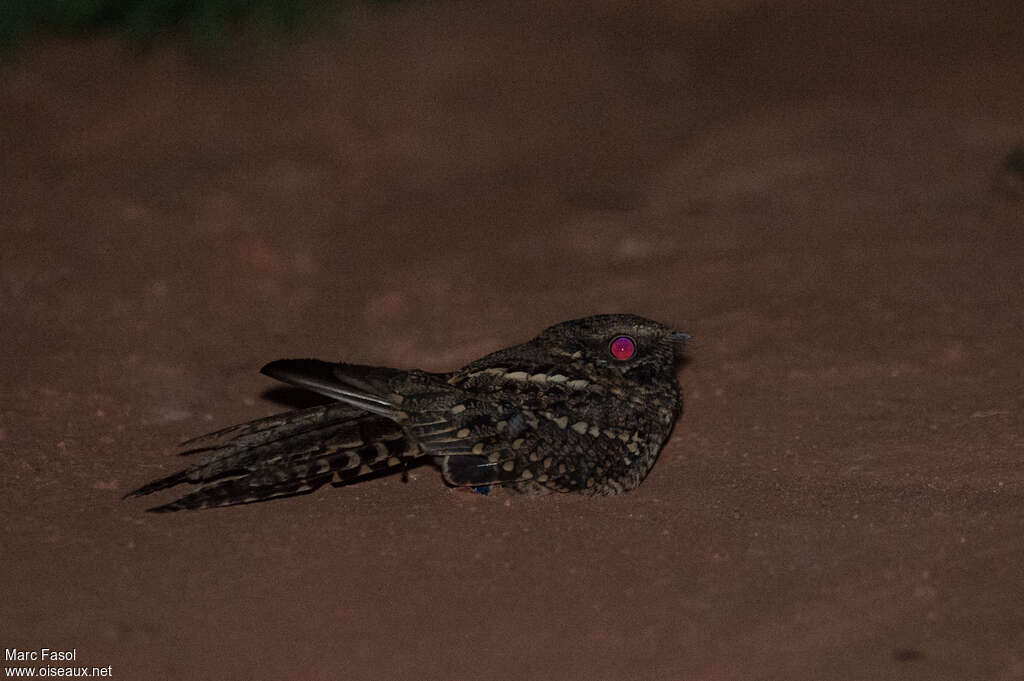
564	412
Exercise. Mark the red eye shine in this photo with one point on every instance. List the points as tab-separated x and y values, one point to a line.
623	348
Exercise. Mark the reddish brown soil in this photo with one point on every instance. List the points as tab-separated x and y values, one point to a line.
812	192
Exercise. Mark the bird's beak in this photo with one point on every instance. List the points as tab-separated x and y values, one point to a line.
679	337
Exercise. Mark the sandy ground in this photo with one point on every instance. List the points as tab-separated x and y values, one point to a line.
815	193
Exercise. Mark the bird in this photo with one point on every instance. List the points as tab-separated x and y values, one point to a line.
584	407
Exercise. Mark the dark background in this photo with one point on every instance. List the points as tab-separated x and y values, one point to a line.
823	194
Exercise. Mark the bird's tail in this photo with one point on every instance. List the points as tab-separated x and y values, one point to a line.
286	454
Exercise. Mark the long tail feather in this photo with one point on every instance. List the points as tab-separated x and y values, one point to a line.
249	489
287	454
271	427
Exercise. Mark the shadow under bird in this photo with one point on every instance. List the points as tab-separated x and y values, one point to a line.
584	407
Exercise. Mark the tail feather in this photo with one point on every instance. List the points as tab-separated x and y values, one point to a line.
288	454
270	428
290	447
339	469
294	433
232	492
159	484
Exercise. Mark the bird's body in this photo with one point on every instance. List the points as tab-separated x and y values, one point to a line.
584	407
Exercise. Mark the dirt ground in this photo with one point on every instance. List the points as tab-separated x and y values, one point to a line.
817	193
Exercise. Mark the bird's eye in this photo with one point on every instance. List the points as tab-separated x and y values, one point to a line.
622	348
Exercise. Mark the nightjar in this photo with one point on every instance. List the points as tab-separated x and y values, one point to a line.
584	407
